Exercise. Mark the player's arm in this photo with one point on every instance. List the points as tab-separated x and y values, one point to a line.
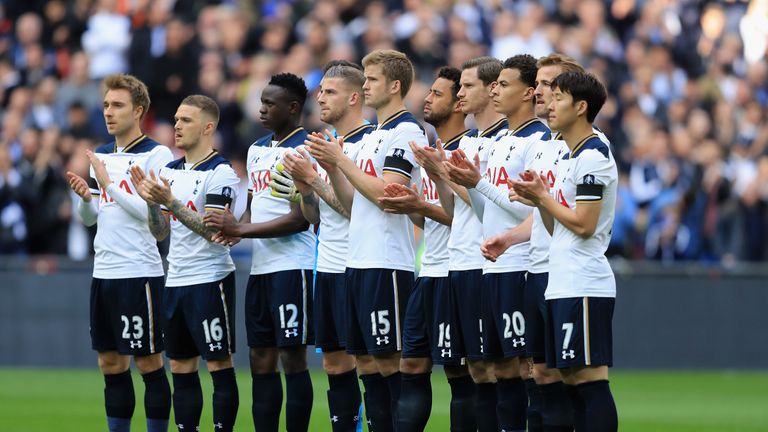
400	199
340	195
158	220
467	175
287	224
496	245
132	204
311	186
89	207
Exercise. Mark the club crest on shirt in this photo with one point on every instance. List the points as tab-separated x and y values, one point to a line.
226	191
399	153
588	179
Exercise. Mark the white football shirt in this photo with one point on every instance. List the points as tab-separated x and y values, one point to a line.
334	228
291	252
434	262
466	234
124	246
207	185
508	156
378	239
578	266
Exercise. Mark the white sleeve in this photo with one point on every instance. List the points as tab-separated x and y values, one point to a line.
159	158
477	201
222	189
593	172
89	211
251	186
134	205
400	159
520	211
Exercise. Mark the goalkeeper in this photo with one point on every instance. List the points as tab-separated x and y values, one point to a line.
278	298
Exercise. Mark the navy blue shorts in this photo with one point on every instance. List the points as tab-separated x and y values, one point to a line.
278	309
427	325
201	320
503	297
535	316
126	315
330	311
581	332
466	335
376	299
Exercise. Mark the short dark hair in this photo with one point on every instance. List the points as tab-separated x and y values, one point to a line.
526	64
207	106
583	86
293	84
488	68
452	74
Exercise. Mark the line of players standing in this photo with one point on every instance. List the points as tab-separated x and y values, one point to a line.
514	297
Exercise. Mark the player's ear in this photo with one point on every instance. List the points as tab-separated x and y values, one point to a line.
394	87
294	108
581	108
354	97
528	96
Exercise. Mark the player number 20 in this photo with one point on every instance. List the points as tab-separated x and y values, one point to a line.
294	312
213	330
379	322
516	322
138	327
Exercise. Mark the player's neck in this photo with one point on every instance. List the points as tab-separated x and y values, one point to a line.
348	123
450	128
388	110
574	134
123	140
517	118
279	135
487	117
198	152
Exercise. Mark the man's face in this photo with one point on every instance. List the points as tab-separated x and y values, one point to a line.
333	98
509	93
562	111
119	112
376	87
189	124
275	111
439	103
543	91
473	94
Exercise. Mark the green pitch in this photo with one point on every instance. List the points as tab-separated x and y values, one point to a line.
33	400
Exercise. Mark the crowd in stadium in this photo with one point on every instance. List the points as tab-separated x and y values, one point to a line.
687	85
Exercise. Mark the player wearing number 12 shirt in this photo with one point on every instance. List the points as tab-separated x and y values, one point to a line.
126	292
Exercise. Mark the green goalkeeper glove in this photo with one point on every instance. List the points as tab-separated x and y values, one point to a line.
282	185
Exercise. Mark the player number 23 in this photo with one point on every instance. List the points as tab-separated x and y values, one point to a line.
138	327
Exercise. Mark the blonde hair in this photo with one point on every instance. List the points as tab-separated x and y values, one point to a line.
395	65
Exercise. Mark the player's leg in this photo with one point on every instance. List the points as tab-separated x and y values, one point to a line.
291	299
157	391
115	333
504	307
390	291
462	398
267	388
587	352
183	358
213	330
415	402
555	409
330	312
466	307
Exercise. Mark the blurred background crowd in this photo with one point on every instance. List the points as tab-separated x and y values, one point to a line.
688	83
